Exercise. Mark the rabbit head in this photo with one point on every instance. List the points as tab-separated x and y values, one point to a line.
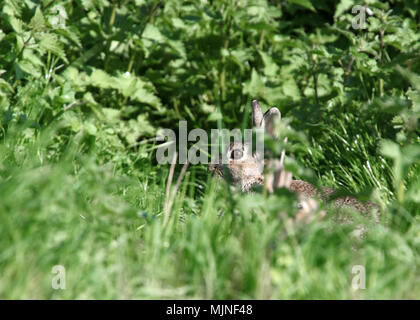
244	167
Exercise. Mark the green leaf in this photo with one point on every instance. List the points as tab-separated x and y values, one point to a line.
16	24
304	3
49	42
343	6
101	79
12	8
128	85
37	21
254	87
25	66
153	33
4	84
111	115
390	149
271	69
71	35
144	94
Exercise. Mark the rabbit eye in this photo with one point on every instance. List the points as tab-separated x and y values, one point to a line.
237	154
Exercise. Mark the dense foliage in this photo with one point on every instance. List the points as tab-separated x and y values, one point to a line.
86	84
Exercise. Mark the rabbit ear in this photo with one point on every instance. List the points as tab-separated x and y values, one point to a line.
270	117
257	115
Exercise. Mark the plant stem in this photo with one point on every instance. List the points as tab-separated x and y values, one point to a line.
315	79
261	45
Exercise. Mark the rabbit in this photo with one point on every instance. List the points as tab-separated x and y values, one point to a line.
245	170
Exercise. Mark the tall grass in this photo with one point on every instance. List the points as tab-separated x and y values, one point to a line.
105	226
81	102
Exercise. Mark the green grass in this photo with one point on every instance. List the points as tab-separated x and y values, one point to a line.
104	223
80	104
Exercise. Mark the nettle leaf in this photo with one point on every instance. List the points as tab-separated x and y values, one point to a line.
391	105
271	69
411	154
413	193
33	58
12	8
152	33
178	46
254	87
348	34
290	88
16	24
412	77
256	13
90	128
25	66
78	80
112	115
101	79
390	149
37	21
49	42
144	94
273	95
344	6
71	35
136	128
136	89
70	119
304	3
128	85
5	85
241	57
